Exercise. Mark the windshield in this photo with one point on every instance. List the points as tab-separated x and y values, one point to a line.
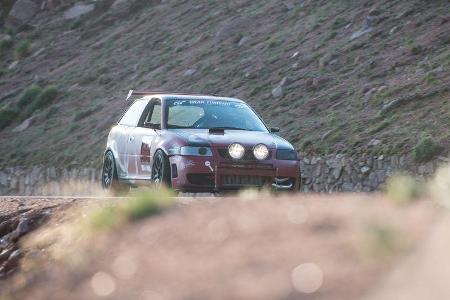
208	114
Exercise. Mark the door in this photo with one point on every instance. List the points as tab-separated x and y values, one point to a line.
142	141
127	124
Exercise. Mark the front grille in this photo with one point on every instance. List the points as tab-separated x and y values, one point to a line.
201	179
244	180
247	156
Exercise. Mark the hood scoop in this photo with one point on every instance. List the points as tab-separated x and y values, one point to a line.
218	131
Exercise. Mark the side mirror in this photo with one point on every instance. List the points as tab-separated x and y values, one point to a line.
152	126
275	129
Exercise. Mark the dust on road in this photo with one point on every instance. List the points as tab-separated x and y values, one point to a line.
257	247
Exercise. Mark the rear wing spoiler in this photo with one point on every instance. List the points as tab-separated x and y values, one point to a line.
132	93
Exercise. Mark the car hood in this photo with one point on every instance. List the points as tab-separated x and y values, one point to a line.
247	138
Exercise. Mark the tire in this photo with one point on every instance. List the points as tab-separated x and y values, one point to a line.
161	170
110	180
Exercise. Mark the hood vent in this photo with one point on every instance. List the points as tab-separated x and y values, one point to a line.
216	131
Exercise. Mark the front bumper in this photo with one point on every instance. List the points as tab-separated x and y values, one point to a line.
194	173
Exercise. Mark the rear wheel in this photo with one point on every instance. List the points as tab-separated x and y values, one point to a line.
110	179
161	169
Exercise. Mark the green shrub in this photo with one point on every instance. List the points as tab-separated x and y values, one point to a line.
29	95
425	150
103	218
4	45
146	202
403	189
11	31
47	96
143	203
381	240
23	49
7	116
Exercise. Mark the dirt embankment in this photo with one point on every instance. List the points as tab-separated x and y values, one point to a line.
253	247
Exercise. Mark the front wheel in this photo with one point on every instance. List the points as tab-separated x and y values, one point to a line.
161	169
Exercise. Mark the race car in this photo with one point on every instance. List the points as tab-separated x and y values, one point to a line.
196	143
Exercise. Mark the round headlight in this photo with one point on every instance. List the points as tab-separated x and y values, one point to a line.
236	151
261	151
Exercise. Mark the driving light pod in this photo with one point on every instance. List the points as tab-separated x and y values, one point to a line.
261	151
236	151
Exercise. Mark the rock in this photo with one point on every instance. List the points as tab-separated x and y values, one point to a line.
24	125
3	178
231	29
373	143
381	176
277	92
23	226
243	41
347	187
51	4
189	72
284	81
394	29
13	65
358	187
327	59
369	94
365	170
360	33
290	5
78	10
426	169
367	87
366	28
5	38
337	172
22	12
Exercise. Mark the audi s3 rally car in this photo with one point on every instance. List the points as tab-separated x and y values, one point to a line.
196	143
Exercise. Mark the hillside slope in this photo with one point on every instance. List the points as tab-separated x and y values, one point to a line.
337	76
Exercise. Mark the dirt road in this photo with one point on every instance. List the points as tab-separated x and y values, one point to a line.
255	247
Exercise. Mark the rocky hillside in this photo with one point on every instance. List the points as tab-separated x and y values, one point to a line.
338	76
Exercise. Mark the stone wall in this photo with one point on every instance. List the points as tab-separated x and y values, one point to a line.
359	174
39	180
320	174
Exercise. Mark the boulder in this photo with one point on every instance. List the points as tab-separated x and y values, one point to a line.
24	125
5	38
232	28
78	10
277	92
22	12
189	72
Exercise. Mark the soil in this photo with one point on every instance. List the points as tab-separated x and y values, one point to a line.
286	247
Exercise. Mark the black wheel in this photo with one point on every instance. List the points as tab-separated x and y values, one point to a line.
110	179
161	169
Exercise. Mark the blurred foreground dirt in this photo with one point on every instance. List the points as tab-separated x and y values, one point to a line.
291	247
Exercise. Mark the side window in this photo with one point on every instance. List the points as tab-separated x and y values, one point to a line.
131	117
153	118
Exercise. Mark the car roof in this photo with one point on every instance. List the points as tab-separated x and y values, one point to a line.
199	97
167	95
